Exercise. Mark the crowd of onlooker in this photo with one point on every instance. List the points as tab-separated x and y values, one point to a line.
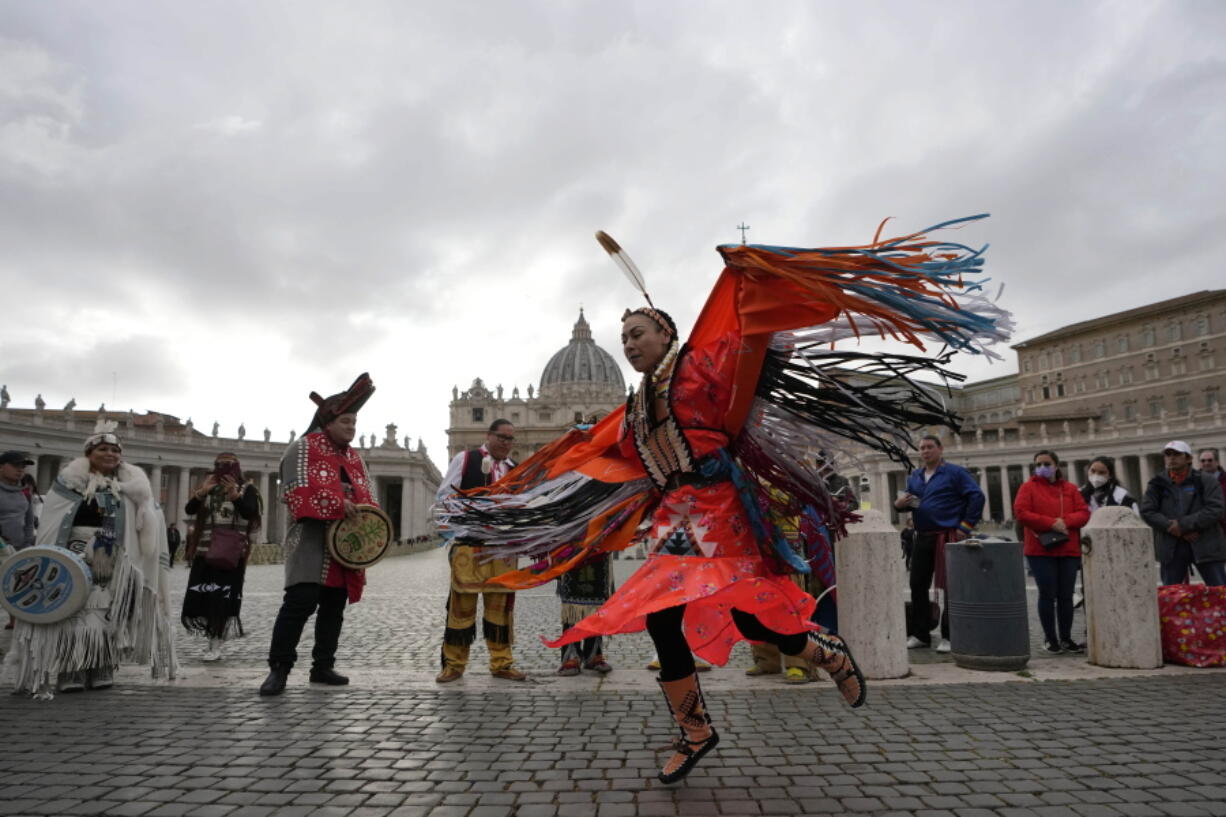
1183	504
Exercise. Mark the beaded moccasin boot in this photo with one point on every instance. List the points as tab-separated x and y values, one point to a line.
830	653
697	737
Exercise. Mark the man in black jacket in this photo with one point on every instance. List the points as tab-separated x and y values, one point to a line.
1184	507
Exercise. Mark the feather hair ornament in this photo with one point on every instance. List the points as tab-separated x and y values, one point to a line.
624	261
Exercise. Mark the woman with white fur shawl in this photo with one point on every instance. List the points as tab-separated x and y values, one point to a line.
104	510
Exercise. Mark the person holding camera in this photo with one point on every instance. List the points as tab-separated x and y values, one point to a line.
227	511
1052	512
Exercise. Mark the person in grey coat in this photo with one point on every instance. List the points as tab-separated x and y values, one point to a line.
16	512
1184	507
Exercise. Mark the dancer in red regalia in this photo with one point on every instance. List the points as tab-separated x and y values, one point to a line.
713	452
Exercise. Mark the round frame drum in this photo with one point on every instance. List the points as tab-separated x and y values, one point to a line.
362	541
44	584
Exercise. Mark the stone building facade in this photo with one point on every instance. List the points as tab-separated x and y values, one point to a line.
177	457
580	382
1121	385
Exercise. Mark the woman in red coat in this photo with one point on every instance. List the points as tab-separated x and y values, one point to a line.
1052	511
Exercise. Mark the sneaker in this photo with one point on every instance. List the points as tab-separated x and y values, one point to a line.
1052	648
915	643
569	667
796	675
1069	645
211	654
944	646
654	664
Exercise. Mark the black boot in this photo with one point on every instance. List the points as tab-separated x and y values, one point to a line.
274	684
328	676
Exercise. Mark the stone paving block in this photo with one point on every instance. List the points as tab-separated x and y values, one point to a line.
171	810
212	810
133	808
537	810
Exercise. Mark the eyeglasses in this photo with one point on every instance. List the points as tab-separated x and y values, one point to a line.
506	438
1206	459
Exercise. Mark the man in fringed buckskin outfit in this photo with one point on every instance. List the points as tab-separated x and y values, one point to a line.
470	575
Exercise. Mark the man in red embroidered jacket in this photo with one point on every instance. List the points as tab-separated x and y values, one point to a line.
470	575
323	479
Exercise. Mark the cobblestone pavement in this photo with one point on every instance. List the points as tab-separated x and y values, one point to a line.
396	744
398	623
1130	747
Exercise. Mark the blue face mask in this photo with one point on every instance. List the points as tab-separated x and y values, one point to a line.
1045	471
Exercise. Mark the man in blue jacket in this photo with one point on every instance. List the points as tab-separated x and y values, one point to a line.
946	504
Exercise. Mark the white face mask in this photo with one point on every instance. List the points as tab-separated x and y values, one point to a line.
1098	480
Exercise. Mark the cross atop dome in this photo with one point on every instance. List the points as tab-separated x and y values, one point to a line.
582	330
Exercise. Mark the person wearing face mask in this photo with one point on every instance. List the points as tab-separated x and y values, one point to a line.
1103	490
324	479
1052	512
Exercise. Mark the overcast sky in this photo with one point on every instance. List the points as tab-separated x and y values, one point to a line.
211	209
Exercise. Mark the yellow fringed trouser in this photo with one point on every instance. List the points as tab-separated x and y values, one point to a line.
468	581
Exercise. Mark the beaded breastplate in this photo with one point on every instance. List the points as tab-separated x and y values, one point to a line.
661	445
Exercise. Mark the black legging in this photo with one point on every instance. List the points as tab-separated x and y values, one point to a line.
676	660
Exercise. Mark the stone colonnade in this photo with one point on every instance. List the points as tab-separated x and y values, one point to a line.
178	460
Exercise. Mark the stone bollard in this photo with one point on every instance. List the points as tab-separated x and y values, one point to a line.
1121	590
870	592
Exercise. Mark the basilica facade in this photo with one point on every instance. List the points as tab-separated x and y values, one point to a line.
580	383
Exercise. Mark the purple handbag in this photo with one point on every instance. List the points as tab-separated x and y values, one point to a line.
226	548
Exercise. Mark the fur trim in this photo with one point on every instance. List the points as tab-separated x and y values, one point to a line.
133	483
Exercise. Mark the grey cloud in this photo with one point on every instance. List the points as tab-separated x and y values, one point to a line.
350	185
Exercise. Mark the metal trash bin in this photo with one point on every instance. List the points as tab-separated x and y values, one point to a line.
989	623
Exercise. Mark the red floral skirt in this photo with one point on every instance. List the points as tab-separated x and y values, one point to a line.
703	555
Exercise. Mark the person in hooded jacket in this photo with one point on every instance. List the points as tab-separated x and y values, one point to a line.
1052	512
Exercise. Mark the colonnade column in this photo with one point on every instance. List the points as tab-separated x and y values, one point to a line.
184	489
408	510
983	486
1006	497
264	481
1147	472
155	477
881	492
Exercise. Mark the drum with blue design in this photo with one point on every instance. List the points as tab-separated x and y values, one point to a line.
44	584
